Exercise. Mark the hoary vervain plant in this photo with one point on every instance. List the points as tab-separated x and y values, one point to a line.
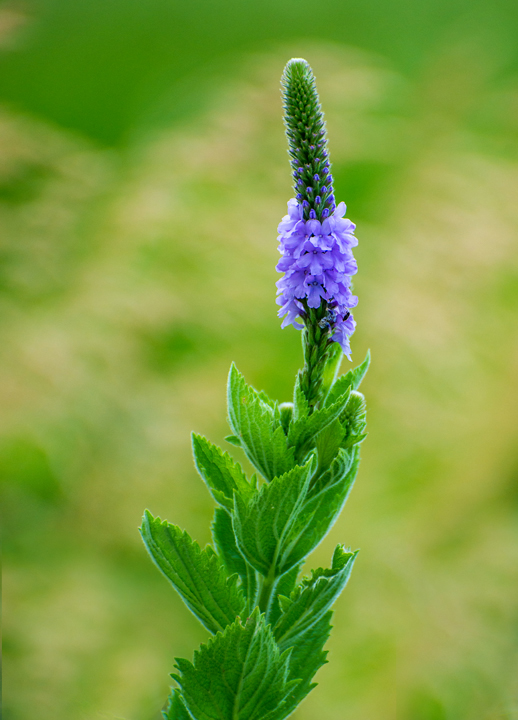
268	627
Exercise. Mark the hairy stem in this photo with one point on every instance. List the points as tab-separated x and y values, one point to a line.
316	338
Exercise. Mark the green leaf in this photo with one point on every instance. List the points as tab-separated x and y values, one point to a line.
221	474
303	431
351	379
176	709
306	658
332	367
263	526
328	442
321	508
283	589
311	600
257	424
198	575
225	543
238	675
233	440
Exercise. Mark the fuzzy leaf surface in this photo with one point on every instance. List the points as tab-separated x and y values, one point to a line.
225	543
300	403
327	443
198	575
321	507
256	422
264	525
238	675
284	587
306	659
354	420
311	600
302	432
351	379
332	368
176	709
221	474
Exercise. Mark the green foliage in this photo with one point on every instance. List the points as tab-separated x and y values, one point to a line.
351	379
307	658
264	527
256	422
354	420
221	474
303	431
312	598
198	575
225	542
239	674
270	630
176	709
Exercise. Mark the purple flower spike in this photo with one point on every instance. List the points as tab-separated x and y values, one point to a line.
318	264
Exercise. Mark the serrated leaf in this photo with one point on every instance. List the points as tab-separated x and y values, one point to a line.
225	543
313	598
306	659
351	379
327	443
302	432
283	588
221	474
258	426
198	575
176	709
262	526
238	675
321	507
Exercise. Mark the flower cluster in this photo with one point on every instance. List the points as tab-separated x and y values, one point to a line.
318	263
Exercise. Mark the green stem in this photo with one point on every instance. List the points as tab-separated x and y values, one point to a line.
266	591
315	343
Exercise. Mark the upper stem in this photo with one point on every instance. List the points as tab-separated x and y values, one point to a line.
316	338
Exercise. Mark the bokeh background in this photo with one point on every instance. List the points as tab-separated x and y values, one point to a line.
143	173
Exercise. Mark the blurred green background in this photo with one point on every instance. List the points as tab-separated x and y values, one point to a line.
143	172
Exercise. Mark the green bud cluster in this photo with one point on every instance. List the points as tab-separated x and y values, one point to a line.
307	143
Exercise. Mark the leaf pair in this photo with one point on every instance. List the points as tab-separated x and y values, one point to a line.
286	520
239	674
249	672
305	427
